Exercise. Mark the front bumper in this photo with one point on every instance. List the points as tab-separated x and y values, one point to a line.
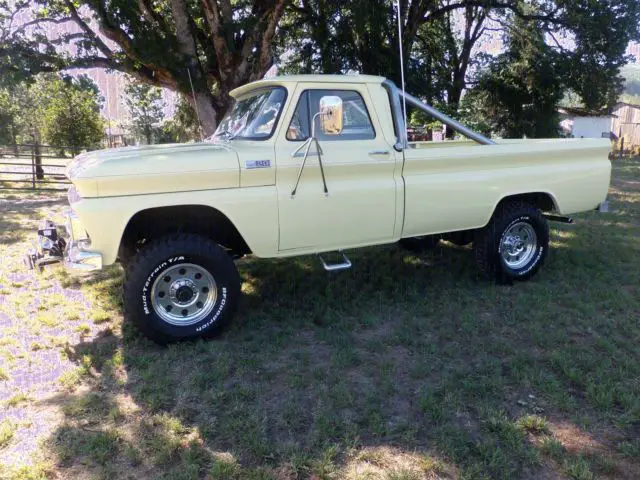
68	244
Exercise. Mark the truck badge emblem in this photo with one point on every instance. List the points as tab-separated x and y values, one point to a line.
251	164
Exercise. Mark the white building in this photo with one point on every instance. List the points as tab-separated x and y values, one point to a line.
582	123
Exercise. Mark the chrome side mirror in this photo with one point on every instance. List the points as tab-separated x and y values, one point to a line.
331	122
331	115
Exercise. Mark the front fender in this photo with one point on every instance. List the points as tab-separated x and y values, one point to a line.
253	211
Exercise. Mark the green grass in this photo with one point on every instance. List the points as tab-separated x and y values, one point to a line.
17	399
533	424
7	432
100	316
403	367
578	468
552	448
38	471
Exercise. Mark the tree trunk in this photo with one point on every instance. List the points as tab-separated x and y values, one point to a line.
454	95
207	116
203	101
38	160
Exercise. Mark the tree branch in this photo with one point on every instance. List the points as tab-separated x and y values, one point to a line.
100	45
152	17
265	59
550	17
212	14
39	21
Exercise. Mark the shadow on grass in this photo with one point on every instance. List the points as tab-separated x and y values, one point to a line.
405	353
16	214
404	367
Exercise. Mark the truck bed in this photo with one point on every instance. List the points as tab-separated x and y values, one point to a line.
452	186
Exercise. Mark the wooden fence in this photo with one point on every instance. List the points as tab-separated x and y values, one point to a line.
33	167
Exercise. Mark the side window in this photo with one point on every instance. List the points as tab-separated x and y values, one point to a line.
356	121
299	129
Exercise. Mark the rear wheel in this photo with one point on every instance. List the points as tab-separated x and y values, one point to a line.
181	287
514	245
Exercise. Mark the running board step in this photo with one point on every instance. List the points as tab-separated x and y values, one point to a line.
336	267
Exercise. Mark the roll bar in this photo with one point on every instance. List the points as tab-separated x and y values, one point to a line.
394	97
447	120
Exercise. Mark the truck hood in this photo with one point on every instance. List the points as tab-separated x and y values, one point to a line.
155	169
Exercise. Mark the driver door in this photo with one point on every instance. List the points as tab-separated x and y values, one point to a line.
359	165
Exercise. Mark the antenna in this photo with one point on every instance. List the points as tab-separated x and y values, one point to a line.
195	104
404	101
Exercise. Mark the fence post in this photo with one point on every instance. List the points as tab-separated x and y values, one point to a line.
33	168
39	169
621	147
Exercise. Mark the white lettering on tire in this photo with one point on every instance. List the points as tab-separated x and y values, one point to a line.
147	283
533	264
223	302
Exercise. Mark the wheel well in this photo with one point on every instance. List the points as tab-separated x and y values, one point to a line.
540	200
155	222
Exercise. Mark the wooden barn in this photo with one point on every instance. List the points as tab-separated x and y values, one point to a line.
626	124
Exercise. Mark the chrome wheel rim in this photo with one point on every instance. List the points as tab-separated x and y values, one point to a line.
184	294
518	245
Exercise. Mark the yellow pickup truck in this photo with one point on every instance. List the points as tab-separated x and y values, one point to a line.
307	165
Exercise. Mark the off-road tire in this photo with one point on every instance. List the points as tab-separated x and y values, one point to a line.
420	244
488	240
153	260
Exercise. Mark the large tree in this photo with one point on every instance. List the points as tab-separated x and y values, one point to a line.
217	45
8	118
518	93
207	47
69	112
440	37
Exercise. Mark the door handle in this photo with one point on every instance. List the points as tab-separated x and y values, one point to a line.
379	153
301	154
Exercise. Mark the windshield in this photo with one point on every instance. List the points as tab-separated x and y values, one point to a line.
254	116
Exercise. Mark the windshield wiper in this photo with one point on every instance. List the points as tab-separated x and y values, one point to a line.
225	135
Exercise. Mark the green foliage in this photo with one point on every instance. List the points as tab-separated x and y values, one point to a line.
145	106
631	74
183	126
70	113
602	31
18	114
61	111
8	114
439	39
213	46
168	44
519	91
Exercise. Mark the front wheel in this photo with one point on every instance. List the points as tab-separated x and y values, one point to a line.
181	287
515	243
